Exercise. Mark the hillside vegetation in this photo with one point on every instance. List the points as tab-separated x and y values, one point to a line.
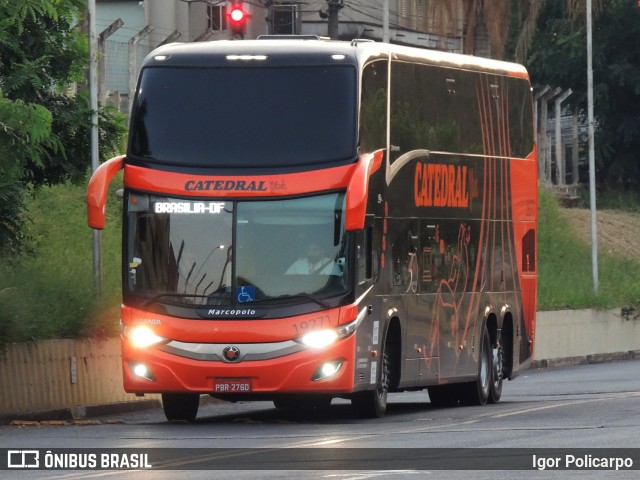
49	293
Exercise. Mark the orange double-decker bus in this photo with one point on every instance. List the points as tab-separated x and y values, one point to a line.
308	219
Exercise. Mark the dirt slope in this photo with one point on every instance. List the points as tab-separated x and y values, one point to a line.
618	232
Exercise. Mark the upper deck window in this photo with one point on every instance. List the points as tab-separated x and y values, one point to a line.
236	117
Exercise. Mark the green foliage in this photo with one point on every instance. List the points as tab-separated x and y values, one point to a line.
40	48
50	294
565	274
72	129
25	131
558	58
44	132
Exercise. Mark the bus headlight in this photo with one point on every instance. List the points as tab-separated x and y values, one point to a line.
141	336
319	338
324	338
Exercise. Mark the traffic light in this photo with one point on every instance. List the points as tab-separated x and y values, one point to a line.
237	21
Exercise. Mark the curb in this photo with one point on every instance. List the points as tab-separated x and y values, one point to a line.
76	416
586	359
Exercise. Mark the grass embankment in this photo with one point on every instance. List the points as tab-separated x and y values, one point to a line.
51	295
565	267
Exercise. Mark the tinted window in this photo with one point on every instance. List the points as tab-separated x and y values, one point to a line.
245	117
449	110
373	107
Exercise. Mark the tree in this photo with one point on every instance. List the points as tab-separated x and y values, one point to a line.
504	22
558	57
44	131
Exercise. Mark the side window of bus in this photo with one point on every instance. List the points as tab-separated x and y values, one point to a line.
404	252
373	111
434	108
520	117
364	250
407	116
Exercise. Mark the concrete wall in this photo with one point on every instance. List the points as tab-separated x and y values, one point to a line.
61	375
582	333
72	378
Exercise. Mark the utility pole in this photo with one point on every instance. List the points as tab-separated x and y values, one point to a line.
93	94
592	161
334	8
385	21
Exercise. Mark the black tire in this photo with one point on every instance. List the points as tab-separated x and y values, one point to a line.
181	407
477	392
373	403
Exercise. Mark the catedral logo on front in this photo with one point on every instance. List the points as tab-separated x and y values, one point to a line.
225	185
437	185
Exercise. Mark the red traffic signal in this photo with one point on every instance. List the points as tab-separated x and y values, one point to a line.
237	15
237	20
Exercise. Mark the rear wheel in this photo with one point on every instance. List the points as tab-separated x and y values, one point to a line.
373	403
477	392
180	406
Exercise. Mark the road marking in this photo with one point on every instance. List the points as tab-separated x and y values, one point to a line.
365	475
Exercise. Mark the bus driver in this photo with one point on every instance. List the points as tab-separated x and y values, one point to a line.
314	262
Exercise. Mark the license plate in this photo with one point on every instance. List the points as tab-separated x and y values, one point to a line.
231	385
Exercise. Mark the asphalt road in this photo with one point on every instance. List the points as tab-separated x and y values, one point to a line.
590	406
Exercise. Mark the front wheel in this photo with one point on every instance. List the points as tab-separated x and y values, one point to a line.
180	406
373	403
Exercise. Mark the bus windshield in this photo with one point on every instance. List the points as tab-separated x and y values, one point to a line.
245	117
195	252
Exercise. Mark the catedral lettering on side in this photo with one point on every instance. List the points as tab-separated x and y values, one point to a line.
225	185
437	185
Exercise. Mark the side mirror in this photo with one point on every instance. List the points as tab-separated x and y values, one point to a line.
97	191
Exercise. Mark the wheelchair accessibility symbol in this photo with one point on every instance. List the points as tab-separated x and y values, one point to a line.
246	294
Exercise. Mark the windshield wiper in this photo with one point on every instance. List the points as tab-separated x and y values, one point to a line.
307	296
158	296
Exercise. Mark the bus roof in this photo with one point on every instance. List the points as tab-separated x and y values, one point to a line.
279	52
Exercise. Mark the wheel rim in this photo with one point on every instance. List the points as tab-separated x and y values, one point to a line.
497	366
485	366
484	369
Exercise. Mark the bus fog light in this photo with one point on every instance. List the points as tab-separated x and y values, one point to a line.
319	338
142	371
327	370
